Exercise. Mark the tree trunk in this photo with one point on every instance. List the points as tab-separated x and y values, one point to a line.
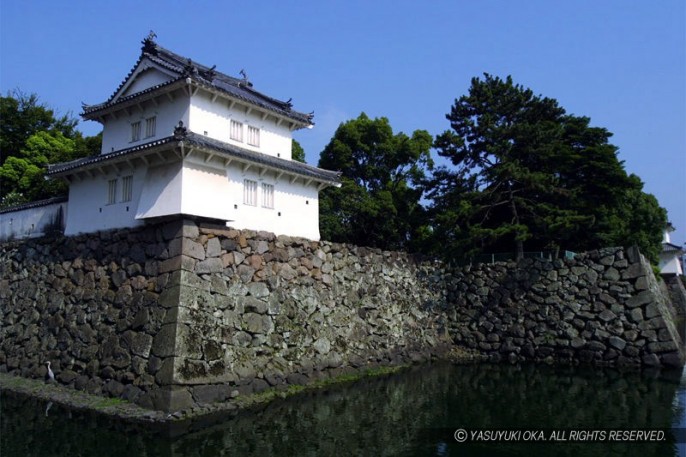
519	244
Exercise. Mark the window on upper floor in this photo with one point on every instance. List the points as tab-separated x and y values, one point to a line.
267	195
250	192
236	133
150	126
253	136
136	131
127	188
111	191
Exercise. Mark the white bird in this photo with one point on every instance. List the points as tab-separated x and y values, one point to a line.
51	375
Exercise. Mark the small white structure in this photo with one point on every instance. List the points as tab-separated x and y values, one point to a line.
180	138
671	255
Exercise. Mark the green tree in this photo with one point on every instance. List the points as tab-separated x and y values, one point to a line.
525	172
31	137
297	152
21	116
378	203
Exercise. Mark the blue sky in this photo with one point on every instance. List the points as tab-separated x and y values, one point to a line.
620	62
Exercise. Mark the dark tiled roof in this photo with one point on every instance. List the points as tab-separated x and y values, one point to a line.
64	167
204	76
669	247
192	139
36	204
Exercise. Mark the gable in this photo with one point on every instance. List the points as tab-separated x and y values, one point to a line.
146	75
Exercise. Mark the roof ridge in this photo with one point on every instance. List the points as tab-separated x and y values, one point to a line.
186	67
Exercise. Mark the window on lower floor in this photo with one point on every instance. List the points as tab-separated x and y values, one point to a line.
267	195
250	192
111	191
126	188
253	136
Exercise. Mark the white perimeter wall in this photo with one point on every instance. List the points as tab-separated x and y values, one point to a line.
215	119
30	222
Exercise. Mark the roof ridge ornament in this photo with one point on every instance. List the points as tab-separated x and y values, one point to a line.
190	68
149	44
245	81
209	74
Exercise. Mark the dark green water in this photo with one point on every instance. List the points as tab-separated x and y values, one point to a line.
411	414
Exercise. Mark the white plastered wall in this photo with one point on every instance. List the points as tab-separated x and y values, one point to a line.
116	133
88	209
213	119
296	206
161	191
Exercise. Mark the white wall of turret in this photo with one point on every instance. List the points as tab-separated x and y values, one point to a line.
213	118
117	132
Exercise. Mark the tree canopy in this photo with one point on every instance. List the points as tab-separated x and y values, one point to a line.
378	203
526	173
31	137
297	152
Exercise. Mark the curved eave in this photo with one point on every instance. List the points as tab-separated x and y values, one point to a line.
125	159
151	94
197	149
214	153
190	86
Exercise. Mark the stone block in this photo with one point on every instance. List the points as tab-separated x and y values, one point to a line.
211	265
257	324
617	342
205	394
164	343
643	298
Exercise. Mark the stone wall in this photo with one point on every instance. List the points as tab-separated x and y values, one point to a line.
604	307
89	305
177	314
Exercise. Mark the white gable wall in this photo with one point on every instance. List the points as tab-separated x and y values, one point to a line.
215	119
89	211
146	78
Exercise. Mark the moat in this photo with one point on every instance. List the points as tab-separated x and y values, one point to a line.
413	413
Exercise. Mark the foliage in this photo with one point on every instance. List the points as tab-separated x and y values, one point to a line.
378	203
31	137
297	152
525	171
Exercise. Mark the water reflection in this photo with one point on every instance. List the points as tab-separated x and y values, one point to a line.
411	414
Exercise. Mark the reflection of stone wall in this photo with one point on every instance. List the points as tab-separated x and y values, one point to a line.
178	314
411	413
